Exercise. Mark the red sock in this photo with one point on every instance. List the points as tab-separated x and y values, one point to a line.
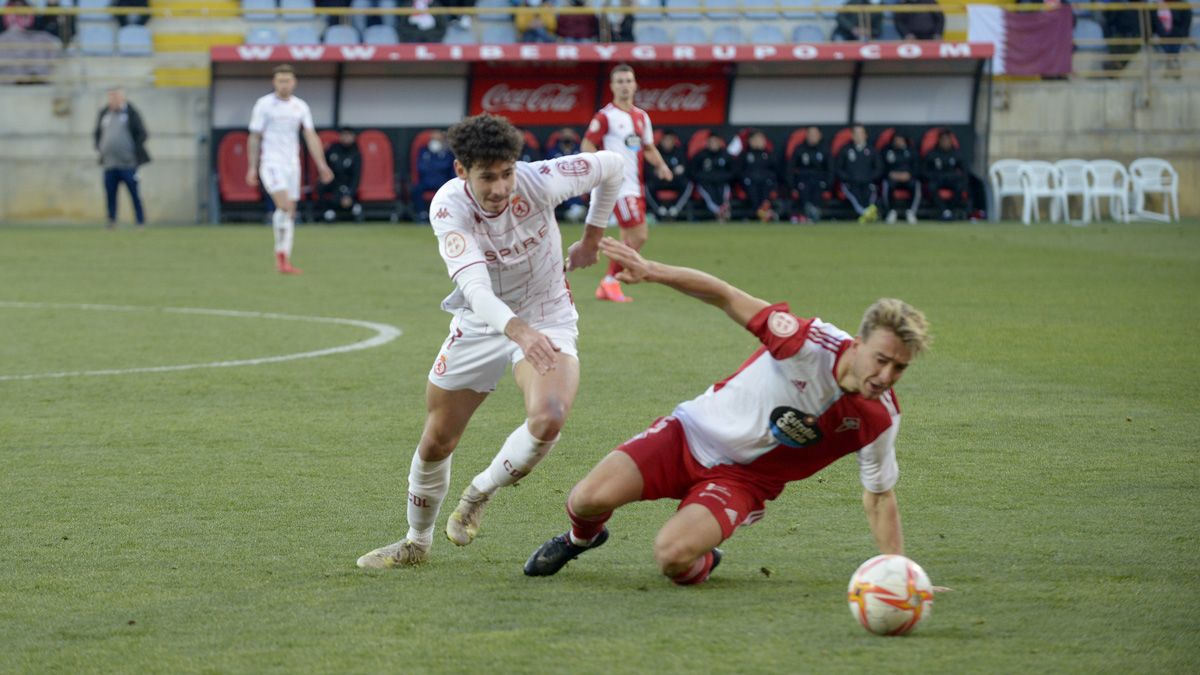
586	529
613	268
697	573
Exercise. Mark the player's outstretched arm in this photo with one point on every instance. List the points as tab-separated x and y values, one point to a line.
738	304
883	515
252	143
586	251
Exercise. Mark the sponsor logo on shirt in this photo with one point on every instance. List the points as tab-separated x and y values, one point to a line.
782	324
794	428
517	248
575	167
633	142
456	244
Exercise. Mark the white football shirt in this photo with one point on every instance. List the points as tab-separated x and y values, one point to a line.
279	122
521	246
627	134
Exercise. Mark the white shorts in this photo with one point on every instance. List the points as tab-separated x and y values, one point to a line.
475	356
277	177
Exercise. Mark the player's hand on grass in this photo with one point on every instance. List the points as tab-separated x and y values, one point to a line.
636	267
325	174
538	349
580	255
252	177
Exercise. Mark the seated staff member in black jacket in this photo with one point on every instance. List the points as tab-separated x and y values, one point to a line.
811	176
338	197
900	166
945	171
675	155
712	171
758	174
858	167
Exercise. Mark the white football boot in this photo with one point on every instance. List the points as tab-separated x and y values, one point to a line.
400	554
463	524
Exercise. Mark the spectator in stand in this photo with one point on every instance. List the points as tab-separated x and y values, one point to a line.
338	196
1172	24
675	155
758	174
568	144
535	26
421	27
811	175
944	170
578	27
463	20
120	138
26	56
919	25
126	19
1119	25
22	21
900	165
333	19
712	172
435	166
850	24
621	25
858	167
61	26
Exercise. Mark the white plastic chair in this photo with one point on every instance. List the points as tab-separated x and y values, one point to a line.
1151	175
1041	179
1109	179
1005	178
1075	182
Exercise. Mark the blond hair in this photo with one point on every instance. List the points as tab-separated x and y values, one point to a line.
906	321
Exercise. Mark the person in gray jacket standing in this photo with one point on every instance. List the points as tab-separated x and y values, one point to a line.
120	138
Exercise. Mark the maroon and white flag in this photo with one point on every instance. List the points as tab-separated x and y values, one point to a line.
1027	43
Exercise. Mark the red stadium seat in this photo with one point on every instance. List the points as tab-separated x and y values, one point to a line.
798	136
312	179
414	150
885	139
698	140
231	170
531	141
930	139
378	183
840	139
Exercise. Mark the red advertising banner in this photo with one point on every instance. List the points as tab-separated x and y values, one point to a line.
542	101
611	53
686	100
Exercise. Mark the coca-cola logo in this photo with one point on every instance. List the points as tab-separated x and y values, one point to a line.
552	97
682	97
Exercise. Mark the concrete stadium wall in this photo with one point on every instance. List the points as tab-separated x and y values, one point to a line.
48	169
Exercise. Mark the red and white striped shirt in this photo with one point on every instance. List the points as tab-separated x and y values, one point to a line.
627	134
782	416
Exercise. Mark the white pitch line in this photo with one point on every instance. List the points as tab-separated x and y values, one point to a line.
384	334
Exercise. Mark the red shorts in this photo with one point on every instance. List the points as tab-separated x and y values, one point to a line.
670	472
630	211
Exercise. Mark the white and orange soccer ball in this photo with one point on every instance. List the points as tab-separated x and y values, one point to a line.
890	595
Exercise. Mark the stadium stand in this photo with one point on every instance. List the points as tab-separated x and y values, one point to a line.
494	17
691	34
97	39
297	10
381	35
760	9
302	35
134	40
728	34
767	33
340	35
258	10
499	34
683	10
262	35
651	34
806	33
722	10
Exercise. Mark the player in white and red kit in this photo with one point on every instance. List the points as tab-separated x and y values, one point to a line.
810	395
502	247
276	122
625	129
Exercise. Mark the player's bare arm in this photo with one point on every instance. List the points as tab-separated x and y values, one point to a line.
883	515
252	145
586	251
317	150
661	169
587	146
738	304
538	348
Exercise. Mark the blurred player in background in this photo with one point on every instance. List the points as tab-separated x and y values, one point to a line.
625	129
502	247
275	124
810	395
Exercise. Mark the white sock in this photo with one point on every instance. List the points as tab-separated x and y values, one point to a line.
608	278
277	219
428	483
517	457
289	231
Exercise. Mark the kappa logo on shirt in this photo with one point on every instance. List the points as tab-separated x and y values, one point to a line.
442	214
848	424
545	170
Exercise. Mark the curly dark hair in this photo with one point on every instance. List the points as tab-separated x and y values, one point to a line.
483	140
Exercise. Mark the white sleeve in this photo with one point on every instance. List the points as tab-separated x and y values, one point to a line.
604	197
877	465
456	240
476	286
258	118
306	119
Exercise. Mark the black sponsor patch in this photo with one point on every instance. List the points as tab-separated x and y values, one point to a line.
794	428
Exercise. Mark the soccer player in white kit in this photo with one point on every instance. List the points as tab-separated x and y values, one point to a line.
502	247
808	396
626	130
275	124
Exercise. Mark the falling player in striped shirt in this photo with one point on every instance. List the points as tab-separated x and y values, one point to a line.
810	395
276	123
625	129
500	241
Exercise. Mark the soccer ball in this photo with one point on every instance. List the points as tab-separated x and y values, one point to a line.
890	595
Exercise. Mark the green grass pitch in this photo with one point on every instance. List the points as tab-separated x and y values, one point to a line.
208	520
